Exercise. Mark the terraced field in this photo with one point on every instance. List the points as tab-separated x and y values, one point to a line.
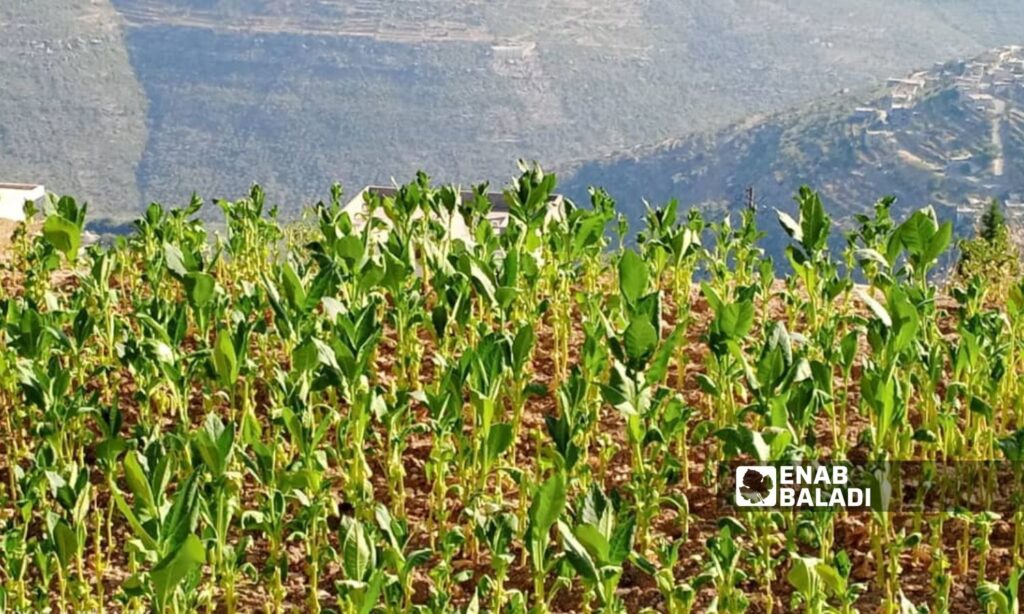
348	418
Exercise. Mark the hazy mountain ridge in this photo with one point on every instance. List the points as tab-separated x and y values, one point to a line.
951	136
296	95
72	115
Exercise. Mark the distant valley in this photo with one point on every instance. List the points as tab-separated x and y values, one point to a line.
122	102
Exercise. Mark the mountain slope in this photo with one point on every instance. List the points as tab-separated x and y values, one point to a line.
297	94
952	136
72	115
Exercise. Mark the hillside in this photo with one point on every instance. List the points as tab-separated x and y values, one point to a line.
951	136
72	114
127	101
296	95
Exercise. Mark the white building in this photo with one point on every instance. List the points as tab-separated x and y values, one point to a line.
13	197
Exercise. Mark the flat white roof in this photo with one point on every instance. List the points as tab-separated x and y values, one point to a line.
13	197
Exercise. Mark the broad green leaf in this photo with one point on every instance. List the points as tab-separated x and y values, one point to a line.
199	288
742	440
137	482
64	235
982	408
870	255
522	346
830	577
621	542
66	542
641	339
349	248
814	223
939	242
547	505
803	575
215	443
595	543
712	297
658	368
133	520
175	260
373	591
577	555
633	276
305	357
305	480
293	290
359	556
224	360
736	319
169	572
499	438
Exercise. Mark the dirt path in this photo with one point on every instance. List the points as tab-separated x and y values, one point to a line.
999	163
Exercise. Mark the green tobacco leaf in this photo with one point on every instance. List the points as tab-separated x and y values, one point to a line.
349	248
170	571
293	290
63	235
215	443
916	232
641	339
439	320
175	260
66	542
814	222
633	276
939	242
831	578
359	556
595	543
866	254
372	594
305	357
133	521
658	368
980	407
199	288
499	438
312	353
577	555
224	359
742	440
803	576
735	319
522	346
625	394
621	542
137	482
547	505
